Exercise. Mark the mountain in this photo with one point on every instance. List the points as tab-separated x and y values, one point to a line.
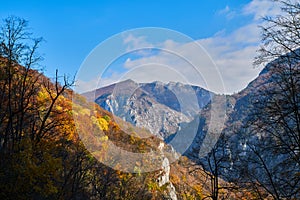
258	142
54	144
158	107
61	146
257	145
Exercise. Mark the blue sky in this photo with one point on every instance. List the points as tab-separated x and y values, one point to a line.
72	29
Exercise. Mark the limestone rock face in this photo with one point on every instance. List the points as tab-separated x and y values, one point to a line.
159	107
164	177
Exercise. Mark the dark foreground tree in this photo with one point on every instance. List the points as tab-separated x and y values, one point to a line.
28	126
275	123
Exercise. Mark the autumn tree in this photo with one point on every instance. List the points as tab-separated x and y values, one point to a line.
18	85
28	124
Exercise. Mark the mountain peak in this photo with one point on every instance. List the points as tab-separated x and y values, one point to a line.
127	81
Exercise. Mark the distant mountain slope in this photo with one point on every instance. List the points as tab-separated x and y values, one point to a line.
249	149
155	106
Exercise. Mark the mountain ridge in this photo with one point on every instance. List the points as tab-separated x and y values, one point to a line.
167	105
235	144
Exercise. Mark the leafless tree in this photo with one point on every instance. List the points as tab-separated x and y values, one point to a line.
275	119
24	120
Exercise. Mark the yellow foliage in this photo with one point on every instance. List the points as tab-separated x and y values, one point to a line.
77	109
175	179
153	186
100	122
59	108
198	190
137	170
85	111
42	94
132	139
183	178
103	124
103	138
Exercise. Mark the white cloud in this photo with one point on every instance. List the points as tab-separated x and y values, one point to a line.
232	52
187	63
261	8
227	12
134	42
85	86
233	55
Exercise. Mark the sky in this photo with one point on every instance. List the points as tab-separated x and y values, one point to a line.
76	32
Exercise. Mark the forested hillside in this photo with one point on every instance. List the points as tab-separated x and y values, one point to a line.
151	140
42	155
